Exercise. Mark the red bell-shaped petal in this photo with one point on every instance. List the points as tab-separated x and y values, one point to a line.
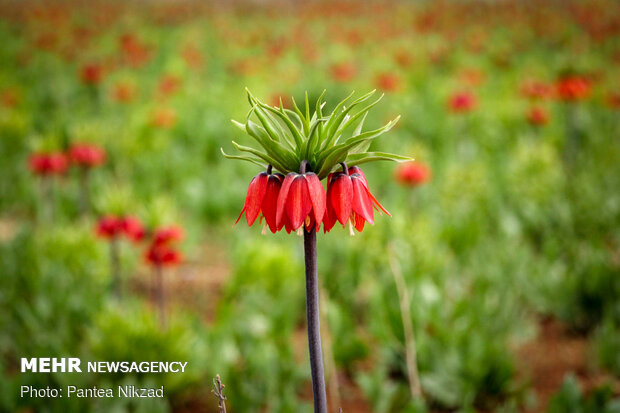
254	198
317	196
282	197
358	222
357	170
339	197
329	220
361	203
298	203
270	201
377	205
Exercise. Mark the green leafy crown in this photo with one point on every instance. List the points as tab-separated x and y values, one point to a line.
288	137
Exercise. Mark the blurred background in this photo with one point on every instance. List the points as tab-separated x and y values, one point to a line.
500	266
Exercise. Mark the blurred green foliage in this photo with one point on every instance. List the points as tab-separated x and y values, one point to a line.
510	227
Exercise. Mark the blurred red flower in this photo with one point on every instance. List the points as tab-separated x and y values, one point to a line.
533	89
109	226
403	58
538	116
275	98
166	235
472	77
462	102
169	84
343	72
135	53
389	82
164	118
573	88
48	163
412	174
112	226
192	56
9	98
132	228
87	155
124	92
91	74
163	255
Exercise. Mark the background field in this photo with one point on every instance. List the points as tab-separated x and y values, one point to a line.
510	252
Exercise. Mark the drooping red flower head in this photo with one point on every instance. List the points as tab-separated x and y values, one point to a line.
412	174
301	201
538	116
163	255
87	155
132	228
109	226
350	200
573	88
91	74
167	235
462	102
262	198
51	163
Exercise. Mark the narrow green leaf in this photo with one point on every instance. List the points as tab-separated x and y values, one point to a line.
332	129
255	161
360	158
304	120
287	121
270	160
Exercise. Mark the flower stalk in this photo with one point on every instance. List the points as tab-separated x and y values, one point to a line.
314	325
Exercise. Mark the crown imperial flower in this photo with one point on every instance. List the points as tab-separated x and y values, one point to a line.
306	149
87	155
573	88
412	174
48	163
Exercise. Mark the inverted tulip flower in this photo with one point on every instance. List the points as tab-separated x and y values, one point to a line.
350	200
306	148
262	198
301	201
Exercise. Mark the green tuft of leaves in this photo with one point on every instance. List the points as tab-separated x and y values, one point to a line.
287	137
